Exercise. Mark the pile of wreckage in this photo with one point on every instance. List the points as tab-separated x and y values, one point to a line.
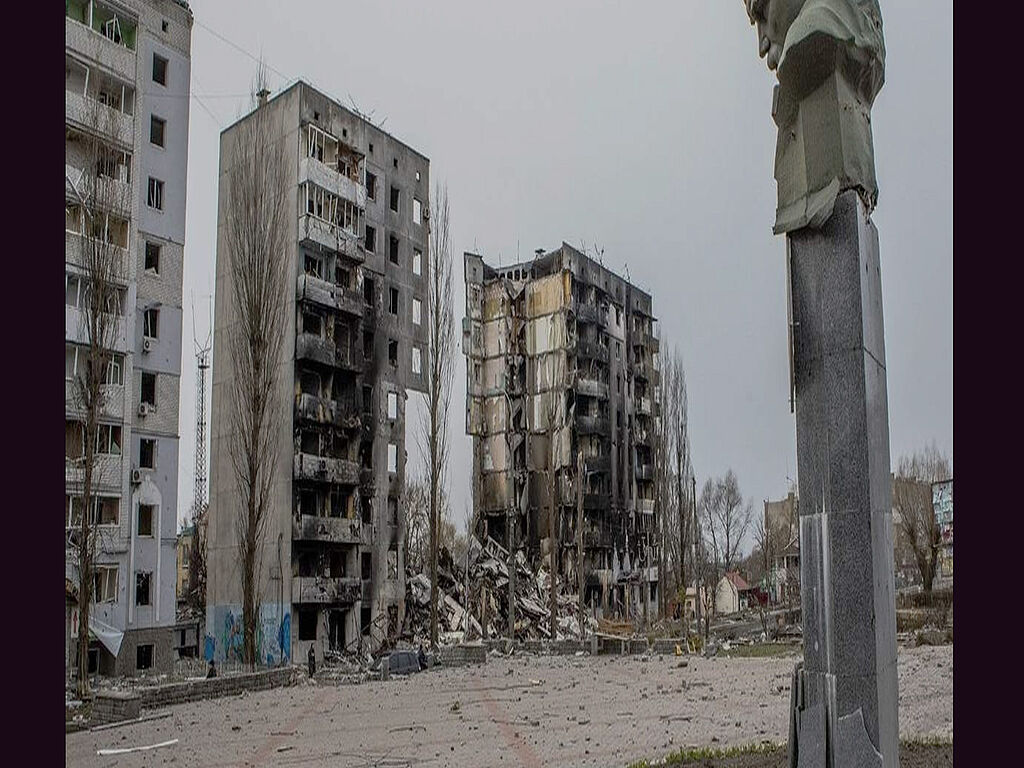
478	591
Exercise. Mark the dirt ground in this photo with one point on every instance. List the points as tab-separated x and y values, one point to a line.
522	711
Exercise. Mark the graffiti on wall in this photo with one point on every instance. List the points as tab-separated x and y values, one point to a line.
226	642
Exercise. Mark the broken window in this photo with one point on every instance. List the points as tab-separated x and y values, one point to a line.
311	323
393	352
392	405
368	345
156	130
313	266
144	656
309	383
393	511
366	509
367	400
307	625
155	196
371	239
150	323
417	259
417	211
416	364
394	162
368	291
74	439
148	392
159	69
152	263
366	566
146	515
309	442
104	584
142	587
393	301
392	458
307	502
108	440
115	370
394	199
393	249
416	309
147	453
336	564
342	276
365	614
393	561
371	184
417	175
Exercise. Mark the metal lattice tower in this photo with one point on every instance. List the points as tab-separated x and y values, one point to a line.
202	365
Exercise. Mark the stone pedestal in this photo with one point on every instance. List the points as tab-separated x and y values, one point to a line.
846	694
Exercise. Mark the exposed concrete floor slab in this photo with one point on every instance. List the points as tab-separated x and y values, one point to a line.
525	711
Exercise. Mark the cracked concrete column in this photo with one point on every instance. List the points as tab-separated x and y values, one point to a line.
846	713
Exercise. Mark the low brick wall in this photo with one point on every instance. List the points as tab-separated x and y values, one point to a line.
115	706
556	647
459	655
623	645
668	644
196	690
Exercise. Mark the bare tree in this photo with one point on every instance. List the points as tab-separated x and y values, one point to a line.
197	563
912	502
679	443
97	214
727	519
441	351
416	502
255	235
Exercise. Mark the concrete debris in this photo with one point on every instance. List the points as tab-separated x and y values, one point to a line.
126	750
463	602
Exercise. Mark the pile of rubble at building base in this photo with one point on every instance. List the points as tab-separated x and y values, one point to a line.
481	589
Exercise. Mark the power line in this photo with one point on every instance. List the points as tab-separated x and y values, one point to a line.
241	50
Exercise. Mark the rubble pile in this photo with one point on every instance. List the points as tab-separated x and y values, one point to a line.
464	602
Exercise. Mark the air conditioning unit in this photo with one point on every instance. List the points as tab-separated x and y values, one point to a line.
147	345
136	476
143	409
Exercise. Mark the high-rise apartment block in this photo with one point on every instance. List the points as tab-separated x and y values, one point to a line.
333	571
562	364
126	142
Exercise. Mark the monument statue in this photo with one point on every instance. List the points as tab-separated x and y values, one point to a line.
830	59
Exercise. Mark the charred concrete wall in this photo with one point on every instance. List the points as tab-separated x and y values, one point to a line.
562	363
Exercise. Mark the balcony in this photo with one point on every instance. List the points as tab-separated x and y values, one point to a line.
324	590
641	371
103	191
106	472
326	177
322	410
75	252
76	330
314	349
330	530
643	406
348	359
644	471
592	388
642	436
591	350
325	469
327	294
593	539
90	114
598	464
596	501
314	232
589	313
645	506
90	43
112	406
593	425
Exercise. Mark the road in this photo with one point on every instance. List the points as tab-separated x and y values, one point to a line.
523	711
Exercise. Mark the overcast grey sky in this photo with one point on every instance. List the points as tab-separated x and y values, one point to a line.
643	128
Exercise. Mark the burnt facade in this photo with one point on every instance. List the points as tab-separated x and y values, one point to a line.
562	372
333	574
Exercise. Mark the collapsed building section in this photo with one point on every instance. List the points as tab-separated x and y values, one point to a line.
333	573
562	373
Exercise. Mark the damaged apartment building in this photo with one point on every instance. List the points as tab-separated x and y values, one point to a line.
333	572
562	365
126	90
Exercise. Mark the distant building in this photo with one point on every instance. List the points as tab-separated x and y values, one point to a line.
942	503
782	525
184	551
732	594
